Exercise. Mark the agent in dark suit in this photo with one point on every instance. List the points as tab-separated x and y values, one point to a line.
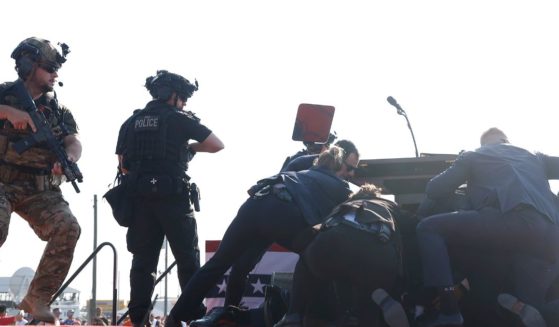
513	210
281	209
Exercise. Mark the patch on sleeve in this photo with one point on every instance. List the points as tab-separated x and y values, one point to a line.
190	115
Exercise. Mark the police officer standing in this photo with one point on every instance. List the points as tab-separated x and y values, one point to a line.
153	150
29	181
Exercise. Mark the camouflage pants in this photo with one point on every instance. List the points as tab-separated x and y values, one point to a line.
51	219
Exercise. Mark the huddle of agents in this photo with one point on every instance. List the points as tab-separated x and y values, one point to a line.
511	221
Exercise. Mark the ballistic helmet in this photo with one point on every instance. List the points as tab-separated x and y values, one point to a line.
163	84
40	51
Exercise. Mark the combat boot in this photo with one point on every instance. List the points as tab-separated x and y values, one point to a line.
40	310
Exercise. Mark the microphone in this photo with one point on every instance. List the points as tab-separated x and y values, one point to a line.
401	111
393	102
60	84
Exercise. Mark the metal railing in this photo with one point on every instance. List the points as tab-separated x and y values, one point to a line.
75	274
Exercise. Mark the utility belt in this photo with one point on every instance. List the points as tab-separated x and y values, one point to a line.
42	179
153	185
279	190
380	231
156	186
33	159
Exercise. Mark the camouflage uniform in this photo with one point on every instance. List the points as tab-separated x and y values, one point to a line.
28	188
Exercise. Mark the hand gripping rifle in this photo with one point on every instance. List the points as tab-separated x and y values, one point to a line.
44	134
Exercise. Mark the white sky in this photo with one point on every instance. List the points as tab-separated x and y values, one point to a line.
456	67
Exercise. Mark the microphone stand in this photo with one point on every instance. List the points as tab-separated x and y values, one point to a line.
401	112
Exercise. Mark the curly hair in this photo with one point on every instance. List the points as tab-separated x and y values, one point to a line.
366	191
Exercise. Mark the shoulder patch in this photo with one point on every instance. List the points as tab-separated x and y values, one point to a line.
190	115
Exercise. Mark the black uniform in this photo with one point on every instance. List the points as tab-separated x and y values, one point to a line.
240	270
280	210
357	246
153	143
299	153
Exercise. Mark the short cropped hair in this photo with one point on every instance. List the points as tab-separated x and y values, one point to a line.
493	136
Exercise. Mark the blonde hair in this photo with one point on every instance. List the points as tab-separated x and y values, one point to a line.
331	159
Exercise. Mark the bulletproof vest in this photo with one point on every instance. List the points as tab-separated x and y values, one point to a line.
371	211
148	143
38	156
368	211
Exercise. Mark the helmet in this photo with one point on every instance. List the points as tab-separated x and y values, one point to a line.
35	50
163	84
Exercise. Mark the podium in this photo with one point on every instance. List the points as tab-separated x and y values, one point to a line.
405	178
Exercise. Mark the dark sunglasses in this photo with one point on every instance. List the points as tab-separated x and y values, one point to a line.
51	69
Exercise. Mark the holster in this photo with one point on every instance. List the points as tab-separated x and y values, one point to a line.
194	196
263	186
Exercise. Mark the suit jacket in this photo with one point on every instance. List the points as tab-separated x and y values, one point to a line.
501	176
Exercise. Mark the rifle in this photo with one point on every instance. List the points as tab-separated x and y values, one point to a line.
44	134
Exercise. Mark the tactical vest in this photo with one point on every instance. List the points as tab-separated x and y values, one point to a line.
373	216
148	143
37	159
368	212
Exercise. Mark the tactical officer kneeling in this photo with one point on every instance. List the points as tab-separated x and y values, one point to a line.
154	157
357	246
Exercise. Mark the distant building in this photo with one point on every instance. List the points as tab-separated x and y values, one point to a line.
13	289
6	297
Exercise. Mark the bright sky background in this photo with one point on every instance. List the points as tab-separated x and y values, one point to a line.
456	67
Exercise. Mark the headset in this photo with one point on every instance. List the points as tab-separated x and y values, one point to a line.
25	55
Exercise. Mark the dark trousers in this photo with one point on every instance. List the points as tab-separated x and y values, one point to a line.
346	256
238	276
521	234
259	223
171	217
541	275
